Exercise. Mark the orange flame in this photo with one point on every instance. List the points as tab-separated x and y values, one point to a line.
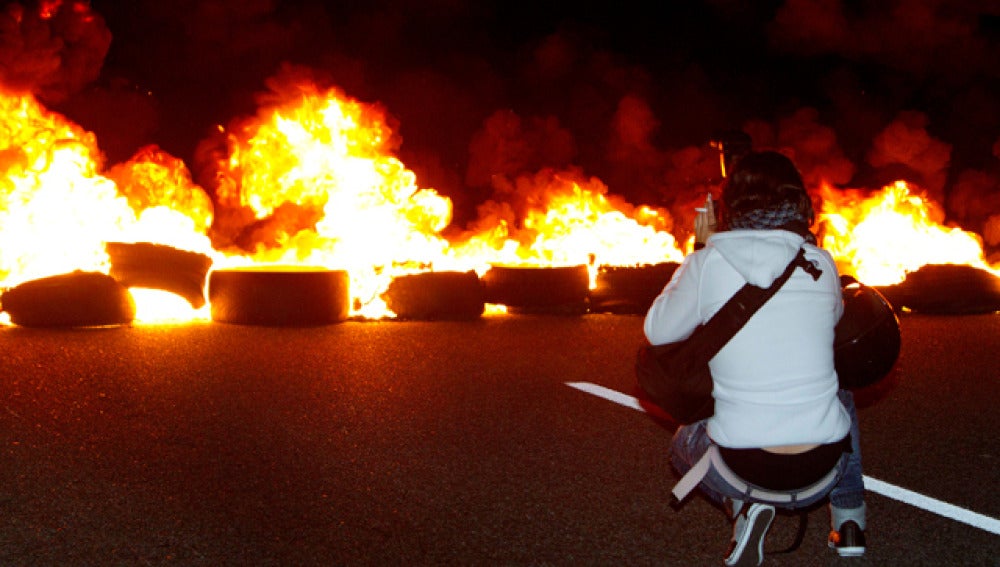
48	221
316	173
881	236
57	210
312	180
316	168
567	220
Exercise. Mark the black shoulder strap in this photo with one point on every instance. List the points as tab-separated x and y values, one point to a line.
741	306
750	297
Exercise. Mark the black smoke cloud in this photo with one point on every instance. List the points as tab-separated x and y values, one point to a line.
52	54
484	92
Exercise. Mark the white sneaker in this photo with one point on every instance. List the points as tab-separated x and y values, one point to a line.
749	529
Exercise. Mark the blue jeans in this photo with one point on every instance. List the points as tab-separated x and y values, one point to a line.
691	441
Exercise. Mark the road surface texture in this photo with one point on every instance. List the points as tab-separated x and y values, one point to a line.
439	443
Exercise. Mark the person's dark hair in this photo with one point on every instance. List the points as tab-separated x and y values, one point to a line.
765	191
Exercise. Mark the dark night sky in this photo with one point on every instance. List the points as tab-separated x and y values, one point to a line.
856	90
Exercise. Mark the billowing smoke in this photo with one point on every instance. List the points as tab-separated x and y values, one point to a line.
907	144
923	38
52	51
488	93
813	146
912	78
508	145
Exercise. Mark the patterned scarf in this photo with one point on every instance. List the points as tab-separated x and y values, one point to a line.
787	216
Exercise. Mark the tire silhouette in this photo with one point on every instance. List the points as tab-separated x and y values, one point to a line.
542	290
279	296
946	289
76	299
436	296
161	267
629	290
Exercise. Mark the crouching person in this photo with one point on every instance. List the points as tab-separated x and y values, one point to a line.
783	435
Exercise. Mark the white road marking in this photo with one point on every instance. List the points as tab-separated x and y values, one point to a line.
939	507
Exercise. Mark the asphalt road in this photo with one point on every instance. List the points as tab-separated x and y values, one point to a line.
437	443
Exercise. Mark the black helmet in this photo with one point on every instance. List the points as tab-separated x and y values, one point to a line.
867	340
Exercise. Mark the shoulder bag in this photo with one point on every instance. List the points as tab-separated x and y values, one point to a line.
676	377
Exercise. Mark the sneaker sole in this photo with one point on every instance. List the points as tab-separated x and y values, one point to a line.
849	551
760	521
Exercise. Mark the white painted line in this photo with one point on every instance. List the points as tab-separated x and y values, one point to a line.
608	394
969	517
916	499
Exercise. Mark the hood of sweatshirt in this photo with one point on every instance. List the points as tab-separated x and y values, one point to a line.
760	256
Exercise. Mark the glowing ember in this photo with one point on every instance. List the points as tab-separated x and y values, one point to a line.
155	306
881	237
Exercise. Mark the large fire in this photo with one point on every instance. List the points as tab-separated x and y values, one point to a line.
57	208
879	237
315	176
312	180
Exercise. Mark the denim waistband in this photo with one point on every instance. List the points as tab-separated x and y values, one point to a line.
713	460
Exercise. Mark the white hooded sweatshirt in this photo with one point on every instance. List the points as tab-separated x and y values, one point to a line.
775	381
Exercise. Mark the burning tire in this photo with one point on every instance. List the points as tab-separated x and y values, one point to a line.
160	267
558	290
77	299
436	296
279	296
629	290
946	289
